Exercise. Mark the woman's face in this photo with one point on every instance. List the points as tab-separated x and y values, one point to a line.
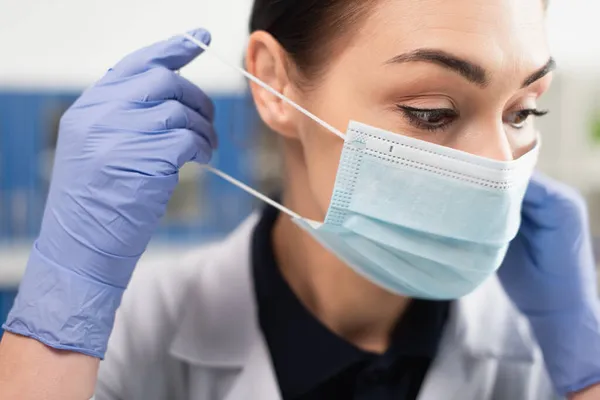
465	74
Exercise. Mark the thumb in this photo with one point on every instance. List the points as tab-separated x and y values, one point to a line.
172	54
550	203
538	190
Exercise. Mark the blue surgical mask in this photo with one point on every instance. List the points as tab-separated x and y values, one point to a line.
416	218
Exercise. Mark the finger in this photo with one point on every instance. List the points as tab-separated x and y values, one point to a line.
155	85
190	147
163	84
158	118
163	154
551	203
160	154
183	117
537	191
541	188
172	54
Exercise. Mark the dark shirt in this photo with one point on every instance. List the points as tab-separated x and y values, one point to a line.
313	363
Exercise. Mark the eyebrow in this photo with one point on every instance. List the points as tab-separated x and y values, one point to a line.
540	73
468	70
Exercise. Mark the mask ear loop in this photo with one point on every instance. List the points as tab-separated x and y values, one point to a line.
252	78
251	191
264	85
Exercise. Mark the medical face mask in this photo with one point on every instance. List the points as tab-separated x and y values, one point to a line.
416	218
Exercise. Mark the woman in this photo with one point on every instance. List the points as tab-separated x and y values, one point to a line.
394	295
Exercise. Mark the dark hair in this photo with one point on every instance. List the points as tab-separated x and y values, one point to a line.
307	28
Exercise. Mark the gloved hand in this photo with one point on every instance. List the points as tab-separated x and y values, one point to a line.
119	151
549	273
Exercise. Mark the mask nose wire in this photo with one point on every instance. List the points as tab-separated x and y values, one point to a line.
264	86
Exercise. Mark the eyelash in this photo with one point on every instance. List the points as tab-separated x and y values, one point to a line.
525	113
416	116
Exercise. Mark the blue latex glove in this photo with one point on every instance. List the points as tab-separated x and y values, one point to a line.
549	273
119	151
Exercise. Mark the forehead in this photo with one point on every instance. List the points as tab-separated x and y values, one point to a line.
494	33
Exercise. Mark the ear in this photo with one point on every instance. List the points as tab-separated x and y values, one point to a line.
267	60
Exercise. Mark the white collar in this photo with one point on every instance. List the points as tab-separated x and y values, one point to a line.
218	321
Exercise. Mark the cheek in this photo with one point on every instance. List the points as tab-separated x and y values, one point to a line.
322	151
522	141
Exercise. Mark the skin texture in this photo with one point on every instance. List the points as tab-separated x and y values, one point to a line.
31	371
505	38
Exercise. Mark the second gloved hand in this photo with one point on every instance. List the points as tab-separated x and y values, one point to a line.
549	273
119	152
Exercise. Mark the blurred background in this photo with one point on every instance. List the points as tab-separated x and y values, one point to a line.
52	50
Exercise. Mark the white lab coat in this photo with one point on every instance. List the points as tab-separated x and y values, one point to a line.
188	330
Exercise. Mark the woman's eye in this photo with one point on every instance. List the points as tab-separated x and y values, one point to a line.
430	119
518	119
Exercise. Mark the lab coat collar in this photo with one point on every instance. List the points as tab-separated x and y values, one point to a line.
482	326
257	379
486	324
219	325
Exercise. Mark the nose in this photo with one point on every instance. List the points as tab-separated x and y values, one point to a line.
487	140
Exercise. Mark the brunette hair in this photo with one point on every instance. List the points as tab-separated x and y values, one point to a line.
307	28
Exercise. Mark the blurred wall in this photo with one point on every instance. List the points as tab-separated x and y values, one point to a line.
68	44
51	51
